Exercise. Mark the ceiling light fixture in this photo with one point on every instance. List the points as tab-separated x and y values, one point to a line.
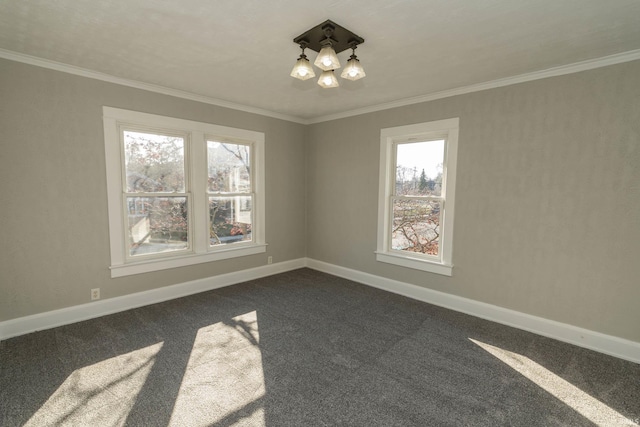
328	79
328	39
303	69
327	58
353	70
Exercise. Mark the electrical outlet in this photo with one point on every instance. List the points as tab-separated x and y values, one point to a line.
95	294
269	260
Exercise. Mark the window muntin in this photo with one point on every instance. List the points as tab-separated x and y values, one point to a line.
160	194
416	196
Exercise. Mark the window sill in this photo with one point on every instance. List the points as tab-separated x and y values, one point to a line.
415	263
147	266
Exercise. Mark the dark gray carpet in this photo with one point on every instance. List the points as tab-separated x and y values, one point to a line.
307	349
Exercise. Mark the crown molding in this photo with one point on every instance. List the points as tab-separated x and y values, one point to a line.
590	64
83	72
508	81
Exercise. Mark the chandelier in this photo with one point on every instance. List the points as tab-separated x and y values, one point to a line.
328	39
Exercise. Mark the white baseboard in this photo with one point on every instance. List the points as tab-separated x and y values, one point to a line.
607	344
65	316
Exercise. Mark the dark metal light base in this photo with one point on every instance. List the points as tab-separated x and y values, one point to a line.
341	38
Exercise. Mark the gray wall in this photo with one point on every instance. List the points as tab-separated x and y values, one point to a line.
53	215
547	212
547	217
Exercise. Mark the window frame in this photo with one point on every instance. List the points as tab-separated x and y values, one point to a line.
446	130
197	133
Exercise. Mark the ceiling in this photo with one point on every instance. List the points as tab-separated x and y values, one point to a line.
241	52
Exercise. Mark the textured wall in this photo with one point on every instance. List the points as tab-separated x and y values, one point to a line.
547	212
547	217
53	216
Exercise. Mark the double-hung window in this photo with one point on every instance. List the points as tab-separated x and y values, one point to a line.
229	192
181	192
416	195
156	191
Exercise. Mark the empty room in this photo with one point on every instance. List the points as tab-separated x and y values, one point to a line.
304	213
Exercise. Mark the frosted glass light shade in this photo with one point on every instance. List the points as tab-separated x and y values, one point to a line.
327	59
353	70
328	79
303	69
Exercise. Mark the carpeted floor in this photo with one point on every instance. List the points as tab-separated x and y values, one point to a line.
307	349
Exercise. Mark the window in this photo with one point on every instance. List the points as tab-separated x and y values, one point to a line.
229	192
416	195
156	192
181	192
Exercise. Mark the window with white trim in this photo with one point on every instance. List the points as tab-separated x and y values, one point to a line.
181	192
416	195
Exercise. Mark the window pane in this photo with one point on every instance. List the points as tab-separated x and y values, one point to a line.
229	167
157	224
419	168
154	163
230	219
416	226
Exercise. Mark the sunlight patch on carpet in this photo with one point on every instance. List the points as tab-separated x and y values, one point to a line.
581	402
223	382
99	394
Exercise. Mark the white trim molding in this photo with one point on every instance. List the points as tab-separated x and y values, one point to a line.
391	139
83	72
589	64
577	67
602	343
51	319
195	137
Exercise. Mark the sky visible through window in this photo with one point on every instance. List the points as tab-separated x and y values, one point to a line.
427	155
